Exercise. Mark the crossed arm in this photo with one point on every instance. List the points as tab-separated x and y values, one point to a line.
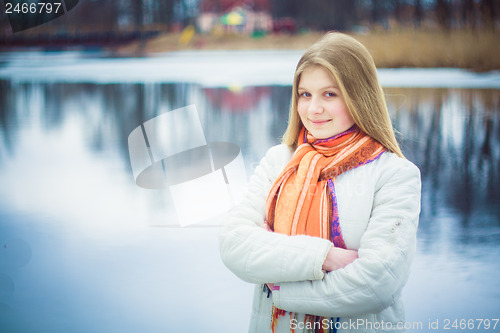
336	258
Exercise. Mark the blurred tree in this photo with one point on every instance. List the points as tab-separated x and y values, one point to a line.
318	14
91	15
137	14
377	12
331	15
468	14
344	14
163	12
442	9
396	8
488	15
286	8
167	11
418	13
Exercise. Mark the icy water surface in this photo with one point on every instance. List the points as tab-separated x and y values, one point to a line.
84	249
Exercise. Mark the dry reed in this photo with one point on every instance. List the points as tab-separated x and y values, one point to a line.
475	50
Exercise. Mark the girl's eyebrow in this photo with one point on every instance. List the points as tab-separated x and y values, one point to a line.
323	88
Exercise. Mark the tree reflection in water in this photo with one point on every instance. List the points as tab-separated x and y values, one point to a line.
453	135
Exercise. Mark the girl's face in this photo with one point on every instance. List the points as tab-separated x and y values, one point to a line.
320	104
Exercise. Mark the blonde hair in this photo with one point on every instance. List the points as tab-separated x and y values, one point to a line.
352	67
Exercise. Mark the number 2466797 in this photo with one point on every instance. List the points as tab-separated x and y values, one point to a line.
471	324
33	8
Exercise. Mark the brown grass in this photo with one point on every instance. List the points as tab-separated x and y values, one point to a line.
479	51
170	42
476	50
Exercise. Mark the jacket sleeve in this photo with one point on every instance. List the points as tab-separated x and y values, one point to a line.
256	255
368	284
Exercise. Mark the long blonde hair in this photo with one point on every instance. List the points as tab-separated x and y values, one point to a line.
352	67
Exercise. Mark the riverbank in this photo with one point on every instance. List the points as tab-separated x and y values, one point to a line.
476	50
210	68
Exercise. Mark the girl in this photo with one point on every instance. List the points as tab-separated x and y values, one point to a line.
327	228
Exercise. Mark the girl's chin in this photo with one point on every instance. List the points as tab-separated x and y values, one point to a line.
326	131
323	134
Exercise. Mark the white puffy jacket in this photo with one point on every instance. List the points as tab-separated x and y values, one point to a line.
379	205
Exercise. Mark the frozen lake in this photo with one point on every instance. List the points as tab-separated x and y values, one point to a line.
84	249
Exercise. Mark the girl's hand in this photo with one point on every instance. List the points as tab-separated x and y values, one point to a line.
266	226
338	258
335	259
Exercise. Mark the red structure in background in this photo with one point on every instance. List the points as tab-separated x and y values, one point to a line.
223	6
235	16
242	100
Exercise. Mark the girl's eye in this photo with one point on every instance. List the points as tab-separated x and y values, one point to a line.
305	94
330	94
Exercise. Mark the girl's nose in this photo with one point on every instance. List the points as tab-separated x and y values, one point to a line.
315	106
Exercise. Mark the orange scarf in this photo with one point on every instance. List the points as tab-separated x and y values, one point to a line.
302	199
